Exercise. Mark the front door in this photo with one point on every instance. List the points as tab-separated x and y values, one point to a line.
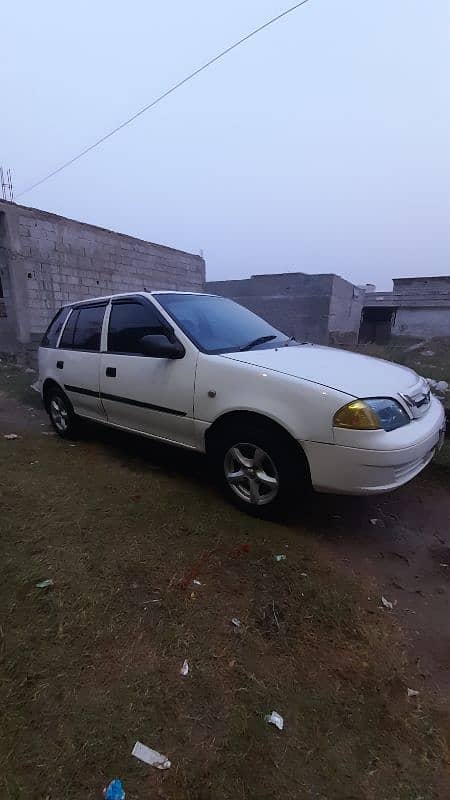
78	359
142	393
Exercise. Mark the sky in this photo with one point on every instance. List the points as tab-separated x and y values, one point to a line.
321	145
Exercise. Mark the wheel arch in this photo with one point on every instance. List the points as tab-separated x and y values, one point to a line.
236	418
48	385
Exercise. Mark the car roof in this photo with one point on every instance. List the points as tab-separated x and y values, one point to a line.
103	298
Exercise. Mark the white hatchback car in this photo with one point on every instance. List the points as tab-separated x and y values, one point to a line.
275	415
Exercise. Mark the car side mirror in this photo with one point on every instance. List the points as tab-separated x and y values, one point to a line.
158	345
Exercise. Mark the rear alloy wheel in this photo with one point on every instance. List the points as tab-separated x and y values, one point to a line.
61	414
261	468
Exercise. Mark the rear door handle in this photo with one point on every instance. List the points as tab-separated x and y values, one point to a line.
110	372
59	364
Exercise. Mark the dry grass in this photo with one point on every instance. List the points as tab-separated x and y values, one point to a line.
92	664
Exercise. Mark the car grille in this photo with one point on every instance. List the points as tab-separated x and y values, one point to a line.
418	399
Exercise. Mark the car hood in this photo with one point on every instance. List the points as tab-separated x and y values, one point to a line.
354	374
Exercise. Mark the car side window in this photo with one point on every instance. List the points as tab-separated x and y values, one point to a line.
84	329
54	329
128	323
66	342
88	328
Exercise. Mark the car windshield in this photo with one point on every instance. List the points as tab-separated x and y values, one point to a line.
219	325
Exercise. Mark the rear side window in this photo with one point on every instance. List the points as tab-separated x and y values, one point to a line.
88	330
54	329
84	329
67	337
128	323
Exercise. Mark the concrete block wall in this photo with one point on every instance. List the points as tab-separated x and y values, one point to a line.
55	260
438	286
316	308
346	306
422	322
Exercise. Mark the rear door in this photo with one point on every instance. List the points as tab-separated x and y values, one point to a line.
139	392
78	359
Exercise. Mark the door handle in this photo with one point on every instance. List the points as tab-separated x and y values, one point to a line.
110	372
59	364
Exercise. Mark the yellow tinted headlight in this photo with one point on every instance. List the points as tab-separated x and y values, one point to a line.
358	416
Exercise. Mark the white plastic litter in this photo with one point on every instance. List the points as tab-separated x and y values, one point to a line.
185	668
10	436
30	371
36	387
378	522
387	603
196	582
45	584
236	622
149	756
275	719
412	692
280	558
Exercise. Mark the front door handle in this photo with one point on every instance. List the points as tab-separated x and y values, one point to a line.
59	364
110	372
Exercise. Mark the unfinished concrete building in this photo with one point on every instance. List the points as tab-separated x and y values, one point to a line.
324	309
417	308
47	260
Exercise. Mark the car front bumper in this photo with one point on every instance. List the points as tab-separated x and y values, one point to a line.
362	470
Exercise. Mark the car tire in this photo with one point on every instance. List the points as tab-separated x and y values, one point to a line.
261	469
61	413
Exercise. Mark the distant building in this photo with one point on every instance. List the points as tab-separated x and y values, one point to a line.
324	309
417	307
47	260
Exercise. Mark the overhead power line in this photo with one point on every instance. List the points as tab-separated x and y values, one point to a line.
162	96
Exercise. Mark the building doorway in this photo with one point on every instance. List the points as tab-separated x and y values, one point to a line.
376	325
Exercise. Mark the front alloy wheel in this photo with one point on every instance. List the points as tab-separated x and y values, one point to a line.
251	474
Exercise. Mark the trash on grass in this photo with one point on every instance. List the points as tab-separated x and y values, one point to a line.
10	436
387	603
303	574
196	583
282	557
45	584
30	371
275	719
412	692
185	668
378	522
36	387
236	622
149	756
114	791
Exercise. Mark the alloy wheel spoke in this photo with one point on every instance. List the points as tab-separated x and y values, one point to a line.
255	496
241	459
266	480
235	477
258	457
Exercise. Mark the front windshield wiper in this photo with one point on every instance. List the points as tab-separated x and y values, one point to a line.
259	340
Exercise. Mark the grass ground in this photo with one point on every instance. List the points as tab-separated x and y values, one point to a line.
91	665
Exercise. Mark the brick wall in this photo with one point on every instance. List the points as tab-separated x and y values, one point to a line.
55	260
